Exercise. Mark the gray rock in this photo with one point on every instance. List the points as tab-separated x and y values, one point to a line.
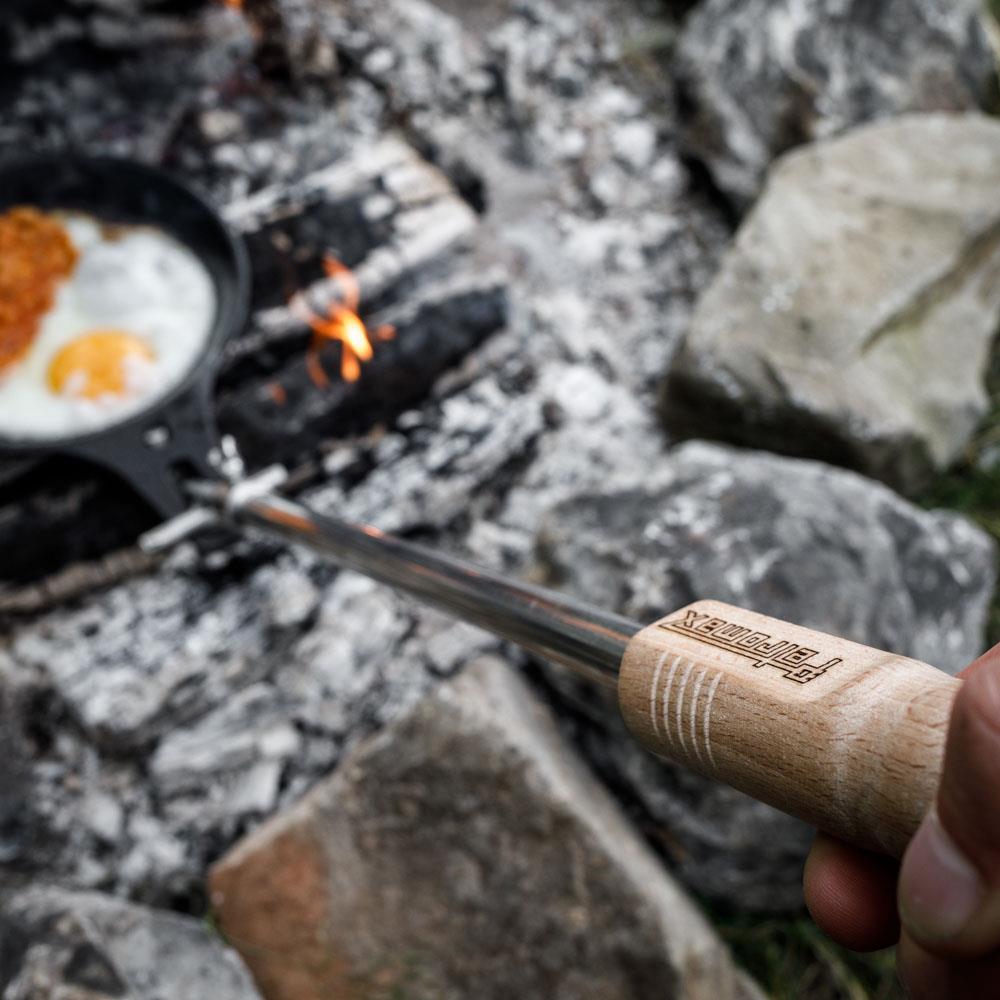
84	946
798	540
465	851
803	541
854	317
765	76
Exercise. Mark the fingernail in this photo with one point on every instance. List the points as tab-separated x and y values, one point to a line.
939	889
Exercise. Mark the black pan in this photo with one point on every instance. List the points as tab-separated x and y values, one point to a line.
176	434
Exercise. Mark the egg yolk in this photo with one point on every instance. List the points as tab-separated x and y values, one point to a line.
97	364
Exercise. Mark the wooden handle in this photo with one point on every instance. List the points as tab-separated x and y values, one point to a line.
846	737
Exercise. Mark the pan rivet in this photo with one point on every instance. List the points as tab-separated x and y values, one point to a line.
157	437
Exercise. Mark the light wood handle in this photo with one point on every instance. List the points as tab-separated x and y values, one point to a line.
846	737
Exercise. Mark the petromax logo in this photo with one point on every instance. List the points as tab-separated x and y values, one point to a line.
797	663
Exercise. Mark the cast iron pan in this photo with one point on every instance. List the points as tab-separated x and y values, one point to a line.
153	448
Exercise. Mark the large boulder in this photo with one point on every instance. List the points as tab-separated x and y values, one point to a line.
464	851
853	319
762	76
809	543
85	946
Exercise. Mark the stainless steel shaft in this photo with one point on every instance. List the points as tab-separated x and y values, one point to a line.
586	639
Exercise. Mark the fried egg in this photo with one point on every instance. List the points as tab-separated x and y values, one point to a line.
126	326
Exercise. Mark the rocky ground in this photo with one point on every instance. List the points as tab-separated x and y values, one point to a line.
611	156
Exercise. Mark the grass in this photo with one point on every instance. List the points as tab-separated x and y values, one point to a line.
974	492
972	487
792	960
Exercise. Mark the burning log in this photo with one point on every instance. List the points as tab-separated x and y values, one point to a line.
435	327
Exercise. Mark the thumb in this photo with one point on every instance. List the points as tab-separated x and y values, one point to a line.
949	885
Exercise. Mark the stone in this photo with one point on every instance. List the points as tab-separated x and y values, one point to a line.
85	946
854	316
799	540
762	77
465	851
805	542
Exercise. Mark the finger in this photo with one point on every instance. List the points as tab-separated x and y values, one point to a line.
929	977
949	889
851	895
989	659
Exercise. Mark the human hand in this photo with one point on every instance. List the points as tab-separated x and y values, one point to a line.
946	894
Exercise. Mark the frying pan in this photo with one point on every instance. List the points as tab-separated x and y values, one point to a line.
178	432
848	738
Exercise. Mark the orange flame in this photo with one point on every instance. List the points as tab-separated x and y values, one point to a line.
342	323
234	4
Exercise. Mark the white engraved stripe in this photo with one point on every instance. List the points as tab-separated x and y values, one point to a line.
694	714
708	720
680	705
654	691
667	688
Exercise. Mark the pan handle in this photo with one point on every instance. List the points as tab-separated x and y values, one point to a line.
155	453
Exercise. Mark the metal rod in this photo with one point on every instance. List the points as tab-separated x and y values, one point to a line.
588	640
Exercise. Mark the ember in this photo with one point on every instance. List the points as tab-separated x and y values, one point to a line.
278	393
342	324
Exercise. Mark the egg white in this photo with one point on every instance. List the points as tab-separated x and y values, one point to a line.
140	281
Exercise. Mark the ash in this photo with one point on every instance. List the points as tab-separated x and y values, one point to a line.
155	719
163	715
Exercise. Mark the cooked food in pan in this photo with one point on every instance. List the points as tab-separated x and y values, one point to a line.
96	321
